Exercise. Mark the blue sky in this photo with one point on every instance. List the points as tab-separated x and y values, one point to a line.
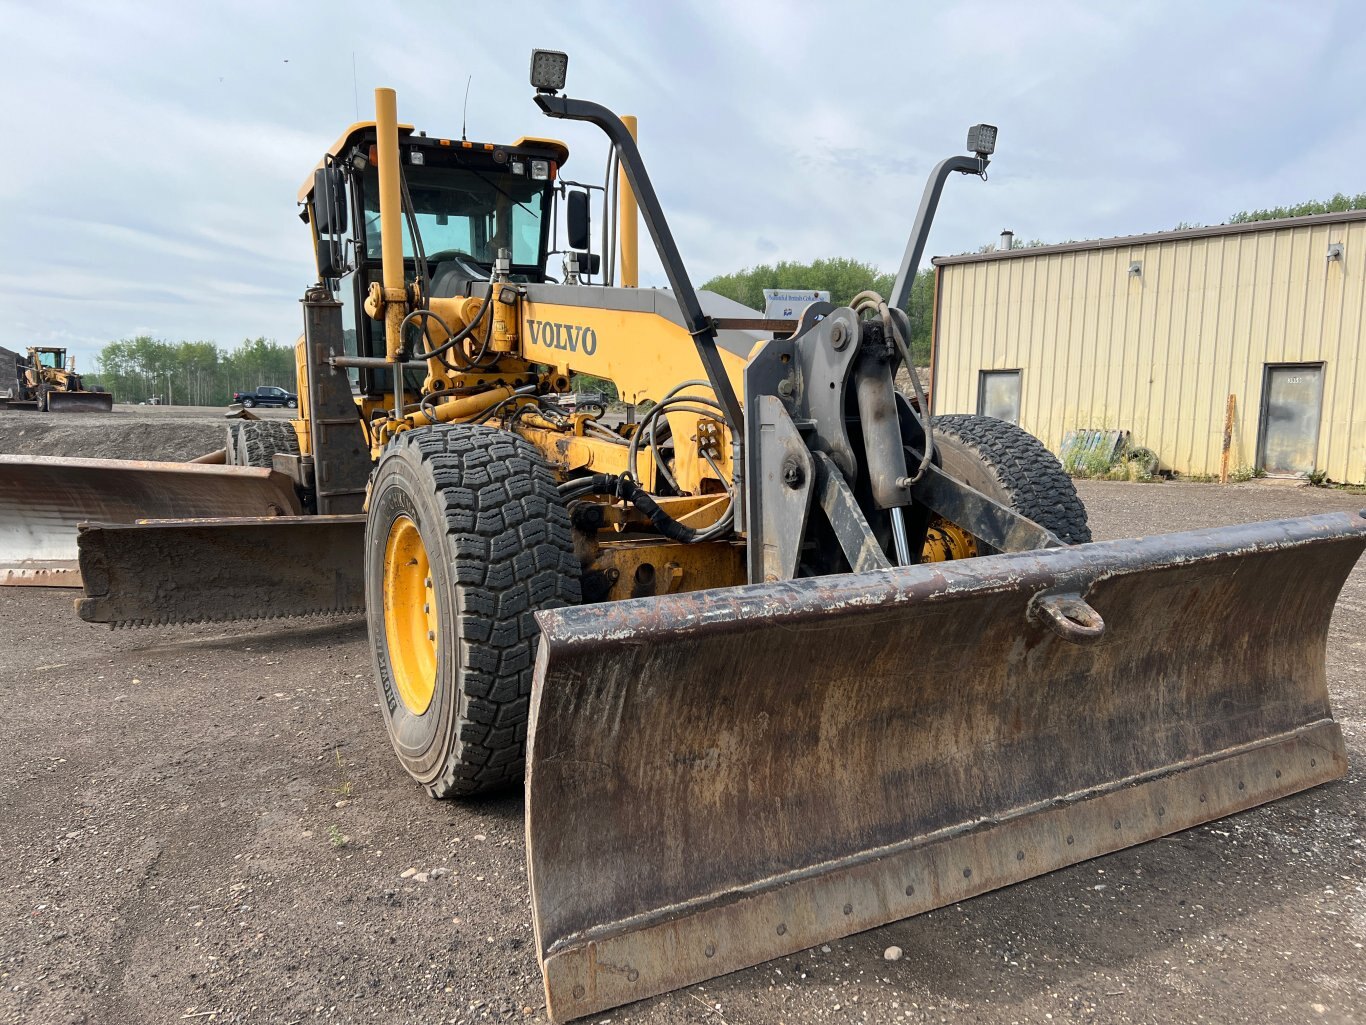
154	149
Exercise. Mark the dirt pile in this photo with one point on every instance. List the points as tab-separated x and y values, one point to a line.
118	435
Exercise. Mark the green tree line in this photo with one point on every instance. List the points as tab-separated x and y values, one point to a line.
1338	204
843	278
191	373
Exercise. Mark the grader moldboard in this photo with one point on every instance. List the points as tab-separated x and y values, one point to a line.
786	659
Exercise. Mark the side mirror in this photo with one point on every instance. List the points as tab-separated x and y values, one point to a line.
577	222
329	258
329	201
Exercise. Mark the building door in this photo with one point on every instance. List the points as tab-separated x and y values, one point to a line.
998	394
1292	405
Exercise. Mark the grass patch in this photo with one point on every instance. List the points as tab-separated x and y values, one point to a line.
345	787
1138	465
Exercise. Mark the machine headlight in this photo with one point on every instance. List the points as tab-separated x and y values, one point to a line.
517	167
540	170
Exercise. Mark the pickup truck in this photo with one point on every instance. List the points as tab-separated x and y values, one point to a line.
267	396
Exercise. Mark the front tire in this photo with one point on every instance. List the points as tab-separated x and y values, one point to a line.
1010	465
466	538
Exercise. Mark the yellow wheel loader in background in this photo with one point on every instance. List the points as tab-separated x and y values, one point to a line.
780	658
47	381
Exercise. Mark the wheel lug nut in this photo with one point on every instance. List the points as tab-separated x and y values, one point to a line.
431	635
427	609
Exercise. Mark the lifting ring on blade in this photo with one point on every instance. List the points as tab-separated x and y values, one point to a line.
1068	616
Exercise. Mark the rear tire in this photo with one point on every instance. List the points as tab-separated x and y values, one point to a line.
248	403
1010	465
492	545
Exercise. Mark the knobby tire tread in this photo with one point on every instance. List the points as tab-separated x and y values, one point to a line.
259	440
510	549
1028	473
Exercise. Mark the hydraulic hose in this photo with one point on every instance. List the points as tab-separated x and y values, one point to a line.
628	490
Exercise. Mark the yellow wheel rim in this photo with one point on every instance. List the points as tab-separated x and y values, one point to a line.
945	541
410	619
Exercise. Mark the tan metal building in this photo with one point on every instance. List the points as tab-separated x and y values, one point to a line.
1153	333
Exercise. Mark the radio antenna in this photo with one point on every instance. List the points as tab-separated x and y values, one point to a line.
464	114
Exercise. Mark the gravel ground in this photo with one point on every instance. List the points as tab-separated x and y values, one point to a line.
206	824
169	433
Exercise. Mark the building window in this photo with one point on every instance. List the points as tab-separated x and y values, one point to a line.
998	394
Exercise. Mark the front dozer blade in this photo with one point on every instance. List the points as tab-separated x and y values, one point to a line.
197	571
43	498
80	402
723	777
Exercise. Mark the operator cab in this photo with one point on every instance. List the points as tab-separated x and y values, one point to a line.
468	200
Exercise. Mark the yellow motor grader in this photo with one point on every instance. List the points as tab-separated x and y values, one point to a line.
780	656
47	380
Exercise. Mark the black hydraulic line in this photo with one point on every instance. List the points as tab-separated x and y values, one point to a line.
628	490
697	323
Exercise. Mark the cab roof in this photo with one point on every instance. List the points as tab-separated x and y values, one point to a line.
355	135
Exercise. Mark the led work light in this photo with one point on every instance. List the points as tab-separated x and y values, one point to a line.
548	70
982	140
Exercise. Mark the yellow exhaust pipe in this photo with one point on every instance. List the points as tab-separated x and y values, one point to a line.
628	222
390	220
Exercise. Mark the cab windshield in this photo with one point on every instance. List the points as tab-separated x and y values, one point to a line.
461	212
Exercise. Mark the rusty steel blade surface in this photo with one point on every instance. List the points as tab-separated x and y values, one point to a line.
720	778
43	498
195	571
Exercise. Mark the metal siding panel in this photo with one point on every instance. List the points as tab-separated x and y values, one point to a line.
1342	445
1135	417
964	349
1329	344
1297	295
972	343
956	314
1042	354
1160	355
1239	357
1353	413
1200	365
1099	394
998	302
1091	338
1317	295
1175	427
1166	340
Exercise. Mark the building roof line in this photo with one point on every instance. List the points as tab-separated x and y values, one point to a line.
1122	241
